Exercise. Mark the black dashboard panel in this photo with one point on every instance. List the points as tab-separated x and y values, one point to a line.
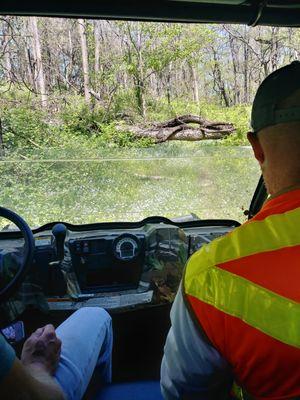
115	266
108	262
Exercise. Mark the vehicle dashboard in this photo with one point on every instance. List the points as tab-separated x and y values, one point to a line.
115	266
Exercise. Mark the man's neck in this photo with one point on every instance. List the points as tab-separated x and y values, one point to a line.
285	190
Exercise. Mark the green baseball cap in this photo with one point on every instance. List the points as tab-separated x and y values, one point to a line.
274	89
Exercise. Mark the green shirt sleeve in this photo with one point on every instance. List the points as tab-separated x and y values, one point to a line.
7	357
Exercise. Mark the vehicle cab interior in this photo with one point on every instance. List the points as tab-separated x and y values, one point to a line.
131	269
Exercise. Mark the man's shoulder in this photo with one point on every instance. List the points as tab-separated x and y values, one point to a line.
257	236
208	269
220	249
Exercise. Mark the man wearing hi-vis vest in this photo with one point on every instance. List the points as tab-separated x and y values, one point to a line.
236	317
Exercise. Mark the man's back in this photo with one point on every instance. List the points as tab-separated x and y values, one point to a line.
244	291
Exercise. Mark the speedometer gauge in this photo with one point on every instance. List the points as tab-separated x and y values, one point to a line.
126	247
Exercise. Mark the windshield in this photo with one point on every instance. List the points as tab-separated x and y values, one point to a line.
123	185
118	121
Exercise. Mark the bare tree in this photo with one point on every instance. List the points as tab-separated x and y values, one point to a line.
219	83
40	77
85	60
113	60
6	48
195	83
97	30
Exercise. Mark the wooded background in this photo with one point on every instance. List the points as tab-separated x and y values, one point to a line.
102	58
124	69
73	91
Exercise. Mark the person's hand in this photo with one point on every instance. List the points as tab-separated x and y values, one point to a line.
42	350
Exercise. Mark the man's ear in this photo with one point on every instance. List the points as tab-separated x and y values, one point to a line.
256	146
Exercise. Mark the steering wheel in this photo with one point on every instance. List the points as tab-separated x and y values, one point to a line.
28	253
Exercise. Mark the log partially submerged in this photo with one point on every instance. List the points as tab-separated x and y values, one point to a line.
179	128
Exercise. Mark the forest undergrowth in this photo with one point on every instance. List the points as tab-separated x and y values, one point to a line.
24	124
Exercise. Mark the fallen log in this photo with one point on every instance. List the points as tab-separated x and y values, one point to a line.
183	128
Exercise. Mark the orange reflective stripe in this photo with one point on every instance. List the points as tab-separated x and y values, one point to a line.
272	266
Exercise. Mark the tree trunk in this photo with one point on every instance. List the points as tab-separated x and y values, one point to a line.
195	83
246	72
234	59
29	57
1	140
69	67
218	80
85	62
140	96
274	48
6	48
40	77
292	52
246	66
30	68
50	72
168	86
140	83
97	47
179	129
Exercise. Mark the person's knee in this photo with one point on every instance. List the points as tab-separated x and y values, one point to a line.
94	313
95	317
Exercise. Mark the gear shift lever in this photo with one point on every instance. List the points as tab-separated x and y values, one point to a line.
59	231
56	281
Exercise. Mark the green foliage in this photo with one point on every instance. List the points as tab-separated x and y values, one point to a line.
23	126
78	119
125	104
153	48
78	125
239	116
17	95
116	137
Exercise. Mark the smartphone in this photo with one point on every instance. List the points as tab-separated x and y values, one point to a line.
15	332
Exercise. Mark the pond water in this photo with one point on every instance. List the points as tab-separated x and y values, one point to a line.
85	186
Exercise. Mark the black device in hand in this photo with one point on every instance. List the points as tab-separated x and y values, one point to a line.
14	333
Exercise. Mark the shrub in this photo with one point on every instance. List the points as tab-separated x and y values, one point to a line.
116	137
23	127
125	105
239	116
79	119
77	124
